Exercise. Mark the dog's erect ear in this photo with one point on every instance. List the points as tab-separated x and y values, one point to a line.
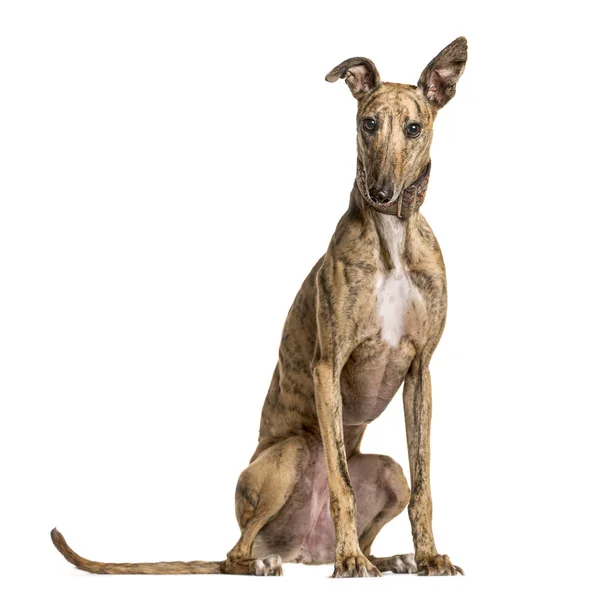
360	74
438	80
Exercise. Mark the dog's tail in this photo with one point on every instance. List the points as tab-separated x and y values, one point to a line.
158	568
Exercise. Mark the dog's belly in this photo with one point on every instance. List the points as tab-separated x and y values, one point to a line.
371	378
303	530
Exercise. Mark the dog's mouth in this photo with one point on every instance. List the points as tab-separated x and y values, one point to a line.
403	202
364	188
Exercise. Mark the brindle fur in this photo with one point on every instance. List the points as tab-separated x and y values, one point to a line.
308	494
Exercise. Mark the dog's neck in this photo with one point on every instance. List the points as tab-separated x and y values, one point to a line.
392	233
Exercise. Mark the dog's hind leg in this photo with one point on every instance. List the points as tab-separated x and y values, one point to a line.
382	493
263	489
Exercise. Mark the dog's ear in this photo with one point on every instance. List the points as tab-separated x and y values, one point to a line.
438	80
360	73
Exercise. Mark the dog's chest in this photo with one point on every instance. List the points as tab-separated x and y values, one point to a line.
378	365
395	293
394	296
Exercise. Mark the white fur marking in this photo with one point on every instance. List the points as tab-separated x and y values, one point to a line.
393	294
394	289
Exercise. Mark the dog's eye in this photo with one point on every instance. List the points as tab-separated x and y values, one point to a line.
369	125
413	130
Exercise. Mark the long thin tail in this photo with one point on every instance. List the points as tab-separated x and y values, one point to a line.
159	568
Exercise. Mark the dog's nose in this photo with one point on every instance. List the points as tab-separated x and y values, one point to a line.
380	195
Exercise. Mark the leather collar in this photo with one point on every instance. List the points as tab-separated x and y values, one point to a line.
409	200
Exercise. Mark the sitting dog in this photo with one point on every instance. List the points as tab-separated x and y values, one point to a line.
365	322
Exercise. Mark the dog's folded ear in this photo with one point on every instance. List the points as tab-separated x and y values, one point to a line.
438	80
360	74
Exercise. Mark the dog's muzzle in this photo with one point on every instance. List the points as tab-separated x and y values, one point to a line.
407	202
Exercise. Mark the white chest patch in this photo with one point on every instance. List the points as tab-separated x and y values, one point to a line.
395	291
394	295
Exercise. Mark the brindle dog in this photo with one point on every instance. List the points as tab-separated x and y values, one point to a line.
365	321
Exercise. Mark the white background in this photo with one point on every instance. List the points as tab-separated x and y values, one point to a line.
170	171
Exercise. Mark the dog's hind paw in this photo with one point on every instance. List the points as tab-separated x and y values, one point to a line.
399	563
404	563
269	566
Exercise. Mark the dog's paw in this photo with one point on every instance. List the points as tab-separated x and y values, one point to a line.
437	565
355	566
403	563
269	566
399	563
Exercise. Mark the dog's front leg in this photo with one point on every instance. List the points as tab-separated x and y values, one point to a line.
334	345
417	411
349	561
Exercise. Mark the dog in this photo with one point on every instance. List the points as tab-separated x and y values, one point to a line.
365	322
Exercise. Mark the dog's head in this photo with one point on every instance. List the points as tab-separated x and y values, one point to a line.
395	121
